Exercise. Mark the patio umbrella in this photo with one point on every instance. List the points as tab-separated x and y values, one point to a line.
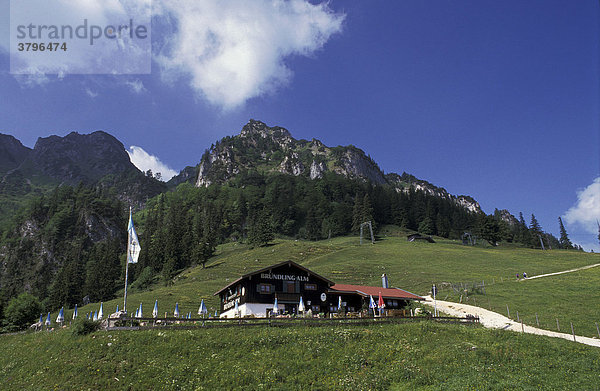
61	315
275	308
216	314
202	310
236	309
155	310
75	312
380	303
301	305
339	303
41	318
48	322
176	313
101	312
95	316
140	311
117	308
372	304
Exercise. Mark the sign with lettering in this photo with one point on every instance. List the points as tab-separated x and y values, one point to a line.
286	277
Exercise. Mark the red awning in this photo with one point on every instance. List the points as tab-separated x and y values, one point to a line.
363	290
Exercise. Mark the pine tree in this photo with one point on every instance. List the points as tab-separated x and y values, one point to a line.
357	214
313	227
565	243
536	231
426	226
490	230
367	210
261	231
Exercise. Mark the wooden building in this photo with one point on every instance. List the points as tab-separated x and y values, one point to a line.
255	293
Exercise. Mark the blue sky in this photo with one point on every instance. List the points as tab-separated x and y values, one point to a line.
497	100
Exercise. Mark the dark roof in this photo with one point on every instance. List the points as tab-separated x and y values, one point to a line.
420	237
290	263
388	293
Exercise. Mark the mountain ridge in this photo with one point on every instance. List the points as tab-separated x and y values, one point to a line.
273	149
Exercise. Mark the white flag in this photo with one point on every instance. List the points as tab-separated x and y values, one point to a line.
133	247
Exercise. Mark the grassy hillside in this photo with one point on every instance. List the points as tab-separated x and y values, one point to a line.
411	266
398	357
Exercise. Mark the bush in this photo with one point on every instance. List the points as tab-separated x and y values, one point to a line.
22	311
84	326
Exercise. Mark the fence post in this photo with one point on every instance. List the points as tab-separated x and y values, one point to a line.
537	320
508	310
557	325
573	332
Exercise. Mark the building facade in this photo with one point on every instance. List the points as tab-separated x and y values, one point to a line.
254	294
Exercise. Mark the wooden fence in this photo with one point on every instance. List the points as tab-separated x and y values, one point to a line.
178	323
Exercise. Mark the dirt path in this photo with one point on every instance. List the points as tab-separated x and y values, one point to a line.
495	320
557	273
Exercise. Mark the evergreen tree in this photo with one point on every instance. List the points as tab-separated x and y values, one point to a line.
261	232
565	243
357	213
490	230
535	231
367	210
312	226
426	226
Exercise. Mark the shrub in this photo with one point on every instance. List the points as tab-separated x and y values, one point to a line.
22	311
84	326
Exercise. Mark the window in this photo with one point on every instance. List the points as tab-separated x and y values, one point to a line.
310	287
315	308
265	288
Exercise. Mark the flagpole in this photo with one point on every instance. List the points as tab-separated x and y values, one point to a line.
127	265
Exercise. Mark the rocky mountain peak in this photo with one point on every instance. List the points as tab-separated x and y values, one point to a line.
12	153
81	157
265	149
254	127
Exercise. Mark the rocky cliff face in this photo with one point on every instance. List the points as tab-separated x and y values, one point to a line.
273	149
96	159
12	153
406	182
81	157
507	217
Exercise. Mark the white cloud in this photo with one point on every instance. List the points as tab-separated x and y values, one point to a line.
235	50
136	86
91	93
229	51
123	54
586	212
144	161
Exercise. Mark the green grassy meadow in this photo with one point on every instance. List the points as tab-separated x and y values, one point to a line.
416	356
410	266
406	356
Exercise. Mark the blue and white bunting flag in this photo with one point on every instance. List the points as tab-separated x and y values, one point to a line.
133	246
